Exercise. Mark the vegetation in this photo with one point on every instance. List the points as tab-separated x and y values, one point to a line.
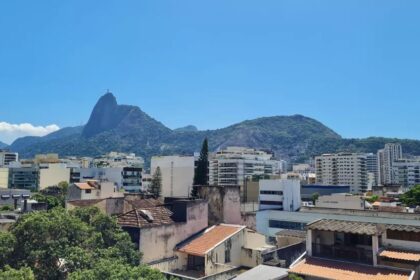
315	197
58	244
202	169
54	196
412	197
372	199
156	184
295	277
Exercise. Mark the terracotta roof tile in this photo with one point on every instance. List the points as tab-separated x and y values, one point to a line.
84	186
401	255
144	203
345	226
146	217
209	239
325	269
85	202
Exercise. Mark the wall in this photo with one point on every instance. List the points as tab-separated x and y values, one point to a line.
291	194
159	242
224	204
177	174
400	244
249	220
341	201
113	174
4	177
54	174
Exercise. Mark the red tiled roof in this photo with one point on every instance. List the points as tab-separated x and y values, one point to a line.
144	203
209	239
84	186
332	270
401	255
146	217
85	202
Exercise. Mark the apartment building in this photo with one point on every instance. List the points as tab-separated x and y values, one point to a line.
7	157
343	169
372	168
280	194
115	159
52	174
231	166
177	174
386	157
23	177
406	172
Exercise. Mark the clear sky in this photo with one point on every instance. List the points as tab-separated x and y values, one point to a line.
353	65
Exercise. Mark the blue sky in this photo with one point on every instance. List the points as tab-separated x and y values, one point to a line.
353	65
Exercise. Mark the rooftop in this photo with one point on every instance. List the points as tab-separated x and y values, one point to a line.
325	269
84	186
84	202
146	217
400	255
210	238
345	226
263	272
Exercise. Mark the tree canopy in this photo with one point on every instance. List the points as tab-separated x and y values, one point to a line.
60	244
202	169
412	197
156	184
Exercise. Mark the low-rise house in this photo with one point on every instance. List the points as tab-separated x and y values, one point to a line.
338	249
220	248
158	229
92	189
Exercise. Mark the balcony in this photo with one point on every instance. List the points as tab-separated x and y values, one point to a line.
344	253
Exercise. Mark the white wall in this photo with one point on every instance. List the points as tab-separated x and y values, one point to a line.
177	174
342	201
291	193
108	174
4	177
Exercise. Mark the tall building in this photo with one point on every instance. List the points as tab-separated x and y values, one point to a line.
177	174
406	172
386	157
7	157
230	167
372	167
343	169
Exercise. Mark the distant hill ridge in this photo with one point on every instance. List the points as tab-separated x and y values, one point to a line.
124	128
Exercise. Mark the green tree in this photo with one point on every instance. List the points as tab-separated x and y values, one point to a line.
315	197
50	200
7	244
24	273
295	277
412	197
156	184
202	169
106	269
57	242
372	199
55	194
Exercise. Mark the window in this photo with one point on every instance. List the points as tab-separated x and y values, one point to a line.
228	246
88	191
266	202
403	235
286	225
272	192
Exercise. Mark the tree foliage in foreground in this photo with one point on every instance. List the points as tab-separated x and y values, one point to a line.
58	244
412	197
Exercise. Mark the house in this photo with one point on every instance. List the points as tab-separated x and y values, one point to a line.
338	249
220	249
157	229
92	189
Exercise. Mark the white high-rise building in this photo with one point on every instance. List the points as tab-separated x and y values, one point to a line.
343	169
230	167
386	157
406	172
7	157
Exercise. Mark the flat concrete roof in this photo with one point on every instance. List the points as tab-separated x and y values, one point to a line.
263	272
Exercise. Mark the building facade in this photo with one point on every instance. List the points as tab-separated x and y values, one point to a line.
177	174
406	172
7	157
280	194
343	169
386	157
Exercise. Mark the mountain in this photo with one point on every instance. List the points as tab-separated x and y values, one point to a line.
188	128
114	127
3	145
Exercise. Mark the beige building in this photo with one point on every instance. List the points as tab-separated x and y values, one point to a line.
221	248
341	201
92	190
4	177
177	174
53	173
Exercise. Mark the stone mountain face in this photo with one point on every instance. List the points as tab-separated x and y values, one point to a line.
114	127
3	145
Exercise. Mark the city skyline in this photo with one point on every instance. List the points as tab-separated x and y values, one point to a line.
350	65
